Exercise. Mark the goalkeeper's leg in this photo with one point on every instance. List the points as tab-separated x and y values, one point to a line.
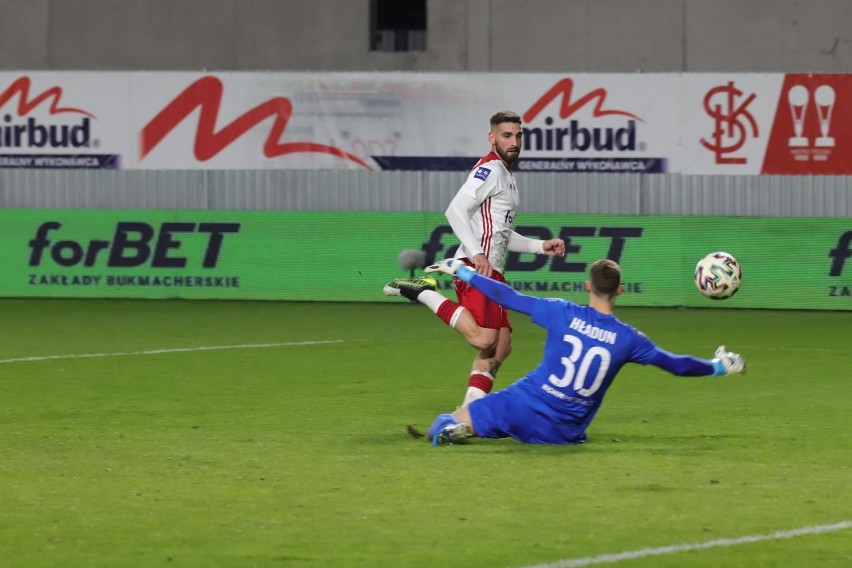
451	428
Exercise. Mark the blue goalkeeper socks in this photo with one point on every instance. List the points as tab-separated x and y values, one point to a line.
441	422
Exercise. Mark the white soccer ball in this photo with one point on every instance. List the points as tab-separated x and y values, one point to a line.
718	276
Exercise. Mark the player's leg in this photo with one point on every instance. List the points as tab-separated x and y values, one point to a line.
485	366
483	324
451	428
482	338
510	412
410	287
453	314
495	328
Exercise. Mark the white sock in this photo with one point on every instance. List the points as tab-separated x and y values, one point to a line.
431	299
472	394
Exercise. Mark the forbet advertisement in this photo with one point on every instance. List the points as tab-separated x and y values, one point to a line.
285	255
706	123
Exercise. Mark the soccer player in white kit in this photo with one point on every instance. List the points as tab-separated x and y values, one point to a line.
482	216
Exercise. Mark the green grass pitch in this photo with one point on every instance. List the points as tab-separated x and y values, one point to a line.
294	452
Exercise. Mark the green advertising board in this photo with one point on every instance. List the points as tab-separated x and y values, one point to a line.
791	263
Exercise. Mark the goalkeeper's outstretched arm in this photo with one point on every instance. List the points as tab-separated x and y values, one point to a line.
724	363
682	365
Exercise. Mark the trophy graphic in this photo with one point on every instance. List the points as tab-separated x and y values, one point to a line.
824	100
797	98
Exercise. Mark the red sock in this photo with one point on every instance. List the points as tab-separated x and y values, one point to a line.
481	380
446	311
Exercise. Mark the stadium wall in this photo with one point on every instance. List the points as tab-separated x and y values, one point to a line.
346	190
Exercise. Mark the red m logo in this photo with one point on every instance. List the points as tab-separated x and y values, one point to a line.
206	94
565	89
21	87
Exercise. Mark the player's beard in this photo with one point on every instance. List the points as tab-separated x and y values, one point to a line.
507	157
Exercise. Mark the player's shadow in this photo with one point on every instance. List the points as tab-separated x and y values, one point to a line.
603	442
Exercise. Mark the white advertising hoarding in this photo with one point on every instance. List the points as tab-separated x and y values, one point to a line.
640	123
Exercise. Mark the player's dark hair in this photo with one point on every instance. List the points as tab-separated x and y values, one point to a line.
605	277
505	116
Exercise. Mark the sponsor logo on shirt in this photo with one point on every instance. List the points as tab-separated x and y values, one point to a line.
482	173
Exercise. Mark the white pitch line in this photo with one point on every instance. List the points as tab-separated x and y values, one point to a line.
162	351
645	552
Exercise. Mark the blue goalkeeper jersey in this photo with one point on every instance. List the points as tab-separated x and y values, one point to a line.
583	352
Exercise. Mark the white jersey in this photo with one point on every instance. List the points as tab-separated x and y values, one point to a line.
490	199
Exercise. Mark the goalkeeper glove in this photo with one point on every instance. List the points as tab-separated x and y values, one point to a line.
727	363
454	267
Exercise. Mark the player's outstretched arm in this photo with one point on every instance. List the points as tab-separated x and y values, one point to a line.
496	291
724	363
550	247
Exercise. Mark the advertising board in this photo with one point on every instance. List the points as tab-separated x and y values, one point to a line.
732	123
288	255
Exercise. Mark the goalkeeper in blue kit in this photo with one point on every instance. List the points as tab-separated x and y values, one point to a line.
584	349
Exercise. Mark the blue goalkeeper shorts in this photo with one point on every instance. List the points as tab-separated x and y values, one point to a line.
514	413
